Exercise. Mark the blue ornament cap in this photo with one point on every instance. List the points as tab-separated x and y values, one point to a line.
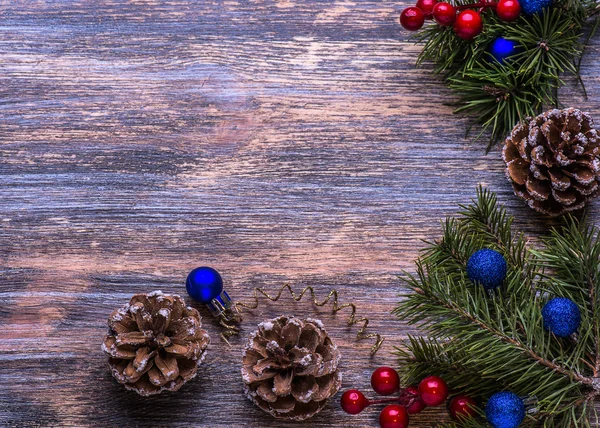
561	316
502	48
505	410
532	7
488	268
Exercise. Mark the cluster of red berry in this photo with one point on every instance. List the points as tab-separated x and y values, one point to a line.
467	25
432	391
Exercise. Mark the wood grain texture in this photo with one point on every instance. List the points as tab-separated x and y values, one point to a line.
276	140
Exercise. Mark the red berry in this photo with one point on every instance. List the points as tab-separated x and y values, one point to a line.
427	7
393	416
444	14
508	10
468	24
412	18
353	401
462	407
417	406
385	381
433	391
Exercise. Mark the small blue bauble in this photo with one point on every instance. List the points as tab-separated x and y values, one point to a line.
561	316
488	268
204	284
501	48
531	7
505	410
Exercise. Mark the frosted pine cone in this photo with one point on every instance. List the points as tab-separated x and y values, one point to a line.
290	367
155	343
553	161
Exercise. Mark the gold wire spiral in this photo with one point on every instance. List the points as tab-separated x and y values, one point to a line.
234	316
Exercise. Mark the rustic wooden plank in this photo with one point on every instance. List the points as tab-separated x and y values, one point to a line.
276	140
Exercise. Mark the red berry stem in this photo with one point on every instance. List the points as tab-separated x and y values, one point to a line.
405	398
481	4
404	401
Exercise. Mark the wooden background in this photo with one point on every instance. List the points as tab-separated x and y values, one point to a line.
275	140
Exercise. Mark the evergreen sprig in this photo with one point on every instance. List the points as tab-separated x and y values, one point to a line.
483	342
499	95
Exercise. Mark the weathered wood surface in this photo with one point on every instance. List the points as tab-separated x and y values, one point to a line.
278	141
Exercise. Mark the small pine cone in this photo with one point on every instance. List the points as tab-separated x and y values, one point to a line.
290	368
155	343
553	161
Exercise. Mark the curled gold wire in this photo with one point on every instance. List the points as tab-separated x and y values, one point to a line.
231	329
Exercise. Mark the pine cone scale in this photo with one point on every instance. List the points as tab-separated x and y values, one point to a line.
282	383
167	366
120	323
266	393
131	373
134	338
156	377
290	334
310	338
559	180
187	368
284	406
518	171
142	357
589	189
304	389
187	350
267	364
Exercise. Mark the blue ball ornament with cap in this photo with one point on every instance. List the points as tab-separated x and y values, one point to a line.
205	285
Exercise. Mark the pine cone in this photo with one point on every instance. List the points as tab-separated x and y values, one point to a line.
290	368
155	343
553	161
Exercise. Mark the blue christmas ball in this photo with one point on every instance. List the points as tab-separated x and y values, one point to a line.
561	316
204	284
531	7
501	48
488	268
505	410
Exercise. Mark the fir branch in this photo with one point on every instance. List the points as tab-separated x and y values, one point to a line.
499	336
501	94
571	257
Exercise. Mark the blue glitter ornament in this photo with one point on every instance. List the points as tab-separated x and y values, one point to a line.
532	7
505	410
561	316
205	285
488	268
501	48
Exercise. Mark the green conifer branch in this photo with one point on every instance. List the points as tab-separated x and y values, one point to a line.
499	337
500	95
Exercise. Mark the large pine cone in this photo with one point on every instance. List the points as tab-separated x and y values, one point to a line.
155	343
290	367
553	161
